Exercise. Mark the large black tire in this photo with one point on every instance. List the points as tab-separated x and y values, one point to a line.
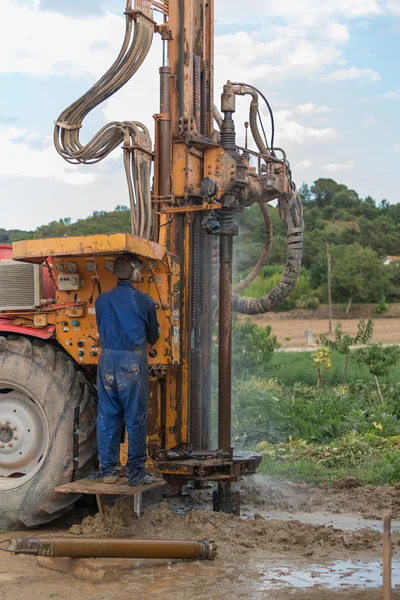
41	373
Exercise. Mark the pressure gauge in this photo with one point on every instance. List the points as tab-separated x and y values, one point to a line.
60	268
91	267
72	267
109	265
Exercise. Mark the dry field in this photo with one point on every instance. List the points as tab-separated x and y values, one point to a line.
291	332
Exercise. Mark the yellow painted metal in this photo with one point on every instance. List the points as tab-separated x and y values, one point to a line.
99	245
76	328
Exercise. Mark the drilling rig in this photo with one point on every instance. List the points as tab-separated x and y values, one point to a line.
186	190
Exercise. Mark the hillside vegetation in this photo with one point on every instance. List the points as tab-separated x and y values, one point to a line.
359	231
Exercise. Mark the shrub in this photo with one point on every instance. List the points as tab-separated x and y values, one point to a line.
311	303
253	348
381	307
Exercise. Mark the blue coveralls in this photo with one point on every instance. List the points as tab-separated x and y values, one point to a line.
126	319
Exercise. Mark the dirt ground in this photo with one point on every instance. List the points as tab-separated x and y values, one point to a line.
294	542
291	332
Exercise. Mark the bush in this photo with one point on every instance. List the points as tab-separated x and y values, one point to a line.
252	349
264	410
311	303
381	307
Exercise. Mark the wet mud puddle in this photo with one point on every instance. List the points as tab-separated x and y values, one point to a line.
337	575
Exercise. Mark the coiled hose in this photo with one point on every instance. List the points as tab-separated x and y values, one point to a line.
291	211
134	135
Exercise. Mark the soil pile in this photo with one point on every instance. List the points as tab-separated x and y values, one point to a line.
233	535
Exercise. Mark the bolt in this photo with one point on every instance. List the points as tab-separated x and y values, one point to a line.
2	445
15	437
11	444
8	422
14	428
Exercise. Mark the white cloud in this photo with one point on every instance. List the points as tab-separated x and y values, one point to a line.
289	130
22	155
310	10
393	95
304	164
397	147
311	109
42	43
352	74
336	167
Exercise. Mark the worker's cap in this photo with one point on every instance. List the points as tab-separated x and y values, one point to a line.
123	268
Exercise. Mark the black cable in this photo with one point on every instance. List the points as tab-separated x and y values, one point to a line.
262	127
186	449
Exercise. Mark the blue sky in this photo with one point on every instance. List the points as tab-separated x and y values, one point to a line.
329	69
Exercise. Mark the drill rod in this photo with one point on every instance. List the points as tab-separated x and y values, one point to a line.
113	548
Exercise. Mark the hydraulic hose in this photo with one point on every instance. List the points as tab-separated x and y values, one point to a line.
134	135
291	211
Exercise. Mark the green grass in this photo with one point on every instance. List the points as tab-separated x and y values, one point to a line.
292	367
372	460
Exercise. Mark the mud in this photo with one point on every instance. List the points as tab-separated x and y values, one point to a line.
272	553
346	496
235	536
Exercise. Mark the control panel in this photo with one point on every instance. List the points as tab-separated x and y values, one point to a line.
82	279
68	283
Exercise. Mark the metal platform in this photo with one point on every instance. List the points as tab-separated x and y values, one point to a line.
201	468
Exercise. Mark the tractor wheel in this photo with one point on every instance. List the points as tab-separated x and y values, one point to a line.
47	431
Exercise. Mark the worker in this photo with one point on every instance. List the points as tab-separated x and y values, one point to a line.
126	320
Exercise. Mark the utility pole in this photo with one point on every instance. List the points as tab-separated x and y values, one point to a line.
329	287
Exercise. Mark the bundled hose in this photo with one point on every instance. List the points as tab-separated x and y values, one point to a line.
291	211
134	136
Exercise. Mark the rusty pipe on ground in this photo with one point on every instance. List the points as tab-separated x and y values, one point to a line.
113	548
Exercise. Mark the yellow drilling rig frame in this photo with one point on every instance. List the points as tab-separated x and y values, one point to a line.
183	227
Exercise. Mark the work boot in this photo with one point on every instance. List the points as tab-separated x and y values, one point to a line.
112	477
146	480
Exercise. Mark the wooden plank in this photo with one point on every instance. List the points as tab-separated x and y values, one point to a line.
96	487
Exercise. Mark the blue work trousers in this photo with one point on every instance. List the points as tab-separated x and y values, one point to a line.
123	390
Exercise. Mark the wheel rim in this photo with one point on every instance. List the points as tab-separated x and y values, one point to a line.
24	436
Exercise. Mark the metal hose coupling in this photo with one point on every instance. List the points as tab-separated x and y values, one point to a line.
209	550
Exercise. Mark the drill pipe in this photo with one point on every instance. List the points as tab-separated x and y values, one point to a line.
113	548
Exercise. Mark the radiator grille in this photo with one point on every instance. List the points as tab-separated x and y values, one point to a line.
19	285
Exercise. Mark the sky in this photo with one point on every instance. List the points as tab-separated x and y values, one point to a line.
329	69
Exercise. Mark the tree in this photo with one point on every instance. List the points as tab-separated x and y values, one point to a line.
346	199
358	274
379	360
305	194
324	191
253	348
343	342
393	271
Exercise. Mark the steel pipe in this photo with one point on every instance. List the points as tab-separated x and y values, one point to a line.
113	548
164	133
225	343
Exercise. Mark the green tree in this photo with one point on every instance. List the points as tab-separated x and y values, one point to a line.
343	341
253	348
358	274
324	191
